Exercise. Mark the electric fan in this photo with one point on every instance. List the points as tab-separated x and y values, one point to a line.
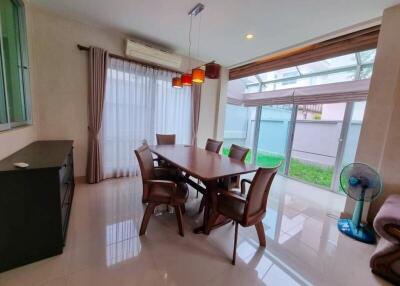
363	184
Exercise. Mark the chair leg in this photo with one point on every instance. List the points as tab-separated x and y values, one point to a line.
146	217
183	208
202	204
260	233
235	243
178	213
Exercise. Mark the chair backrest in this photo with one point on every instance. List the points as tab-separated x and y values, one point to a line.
258	194
213	145
238	152
165	139
145	159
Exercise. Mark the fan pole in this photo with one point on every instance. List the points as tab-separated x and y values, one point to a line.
357	214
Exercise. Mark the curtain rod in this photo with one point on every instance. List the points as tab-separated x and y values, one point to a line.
84	48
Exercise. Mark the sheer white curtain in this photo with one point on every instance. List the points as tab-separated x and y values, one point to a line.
139	102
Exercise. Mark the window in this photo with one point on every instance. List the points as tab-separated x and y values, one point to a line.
312	139
14	75
140	102
349	67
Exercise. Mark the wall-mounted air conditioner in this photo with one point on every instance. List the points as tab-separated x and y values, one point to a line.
149	54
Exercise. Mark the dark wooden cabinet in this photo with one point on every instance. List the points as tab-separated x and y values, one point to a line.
35	202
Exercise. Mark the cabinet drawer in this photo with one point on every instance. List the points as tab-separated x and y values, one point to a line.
65	206
65	190
67	169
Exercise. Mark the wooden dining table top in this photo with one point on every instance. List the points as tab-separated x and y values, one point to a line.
200	163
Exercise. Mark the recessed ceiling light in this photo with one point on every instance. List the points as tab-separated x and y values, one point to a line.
249	36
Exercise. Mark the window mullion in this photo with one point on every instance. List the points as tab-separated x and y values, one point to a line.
23	63
4	77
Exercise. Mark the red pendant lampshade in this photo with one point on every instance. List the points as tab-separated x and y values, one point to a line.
198	75
212	70
186	79
176	82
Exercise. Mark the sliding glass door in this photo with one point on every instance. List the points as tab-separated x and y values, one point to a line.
316	143
239	128
273	135
312	142
351	134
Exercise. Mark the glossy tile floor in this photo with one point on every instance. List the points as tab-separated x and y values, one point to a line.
103	247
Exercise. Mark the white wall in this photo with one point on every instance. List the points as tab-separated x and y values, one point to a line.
380	137
62	77
333	111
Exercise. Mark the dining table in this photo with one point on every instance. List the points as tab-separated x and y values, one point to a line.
209	168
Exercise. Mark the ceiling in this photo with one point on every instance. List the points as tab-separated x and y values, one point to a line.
276	24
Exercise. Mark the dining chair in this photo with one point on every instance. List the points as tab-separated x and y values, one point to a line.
158	191
165	139
239	153
212	146
246	210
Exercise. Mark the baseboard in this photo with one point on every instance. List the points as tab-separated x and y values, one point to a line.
80	179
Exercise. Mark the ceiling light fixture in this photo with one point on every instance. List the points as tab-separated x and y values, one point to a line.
186	79
249	36
198	74
177	82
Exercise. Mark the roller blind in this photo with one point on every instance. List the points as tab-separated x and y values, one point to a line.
318	94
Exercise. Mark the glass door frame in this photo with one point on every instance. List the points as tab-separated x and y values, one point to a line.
289	144
341	145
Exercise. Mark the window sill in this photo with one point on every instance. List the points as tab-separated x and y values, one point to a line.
7	128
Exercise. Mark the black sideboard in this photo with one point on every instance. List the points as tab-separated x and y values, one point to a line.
35	202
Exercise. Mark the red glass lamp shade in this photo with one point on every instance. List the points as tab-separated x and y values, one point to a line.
198	75
186	79
176	82
212	70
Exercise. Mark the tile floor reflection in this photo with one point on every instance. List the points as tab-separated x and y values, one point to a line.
304	246
122	242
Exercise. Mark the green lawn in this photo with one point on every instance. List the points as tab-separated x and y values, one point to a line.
314	174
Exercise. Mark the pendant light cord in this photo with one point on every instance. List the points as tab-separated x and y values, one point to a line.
198	37
190	41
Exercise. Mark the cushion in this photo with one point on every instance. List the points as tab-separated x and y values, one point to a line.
162	194
231	207
388	215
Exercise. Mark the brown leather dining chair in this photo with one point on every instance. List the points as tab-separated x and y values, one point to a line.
158	191
212	146
247	210
165	139
239	153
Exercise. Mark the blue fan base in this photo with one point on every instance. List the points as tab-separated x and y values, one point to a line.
362	233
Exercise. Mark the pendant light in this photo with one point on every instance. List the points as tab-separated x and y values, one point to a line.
198	75
212	70
177	82
186	79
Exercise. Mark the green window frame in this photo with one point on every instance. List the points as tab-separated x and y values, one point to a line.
15	104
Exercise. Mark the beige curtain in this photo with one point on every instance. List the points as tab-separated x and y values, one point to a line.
98	59
196	100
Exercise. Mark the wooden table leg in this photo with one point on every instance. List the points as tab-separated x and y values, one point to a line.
210	186
211	218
